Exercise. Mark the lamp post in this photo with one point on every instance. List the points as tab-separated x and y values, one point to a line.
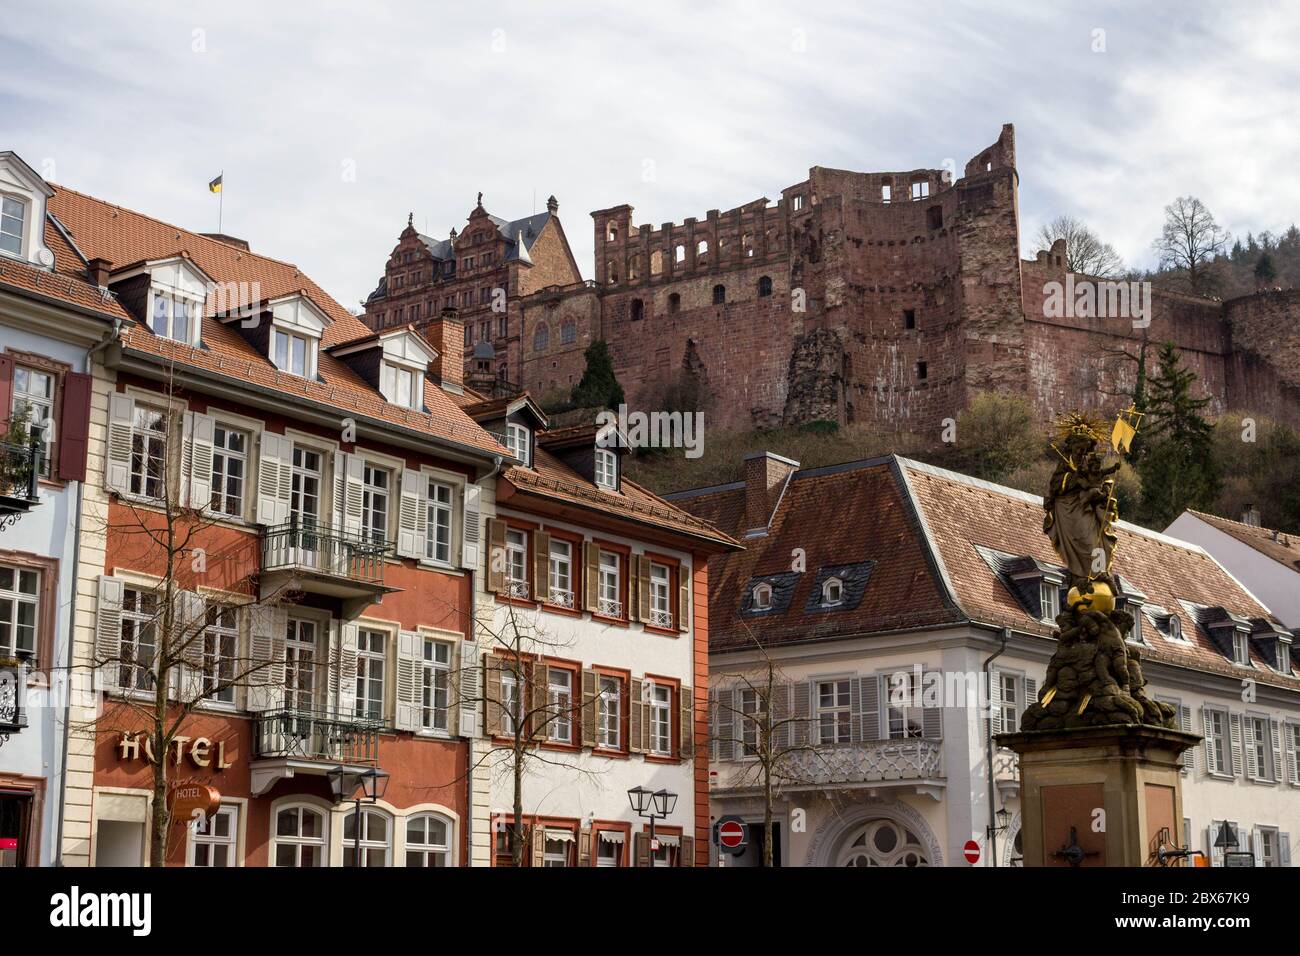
372	784
654	805
1002	820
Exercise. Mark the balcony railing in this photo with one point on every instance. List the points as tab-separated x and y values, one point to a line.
13	680
307	735
300	547
661	618
517	589
609	608
20	472
868	762
560	598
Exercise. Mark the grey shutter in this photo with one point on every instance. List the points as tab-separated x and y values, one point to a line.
1284	849
469	689
855	712
1211	755
121	421
338	492
1185	724
1253	770
780	719
726	725
412	514
1276	732
995	700
409	653
1031	692
932	717
196	459
802	715
1257	844
343	675
266	658
469	528
1234	726
870	694
1210	852
353	493
108	631
274	478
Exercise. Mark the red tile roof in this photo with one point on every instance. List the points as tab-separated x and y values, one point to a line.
921	526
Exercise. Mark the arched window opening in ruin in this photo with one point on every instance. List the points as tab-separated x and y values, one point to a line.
674	303
632	269
541	337
909	318
611	231
719	294
934	217
656	262
886	192
702	251
611	272
638	310
747	246
679	253
764	286
922	371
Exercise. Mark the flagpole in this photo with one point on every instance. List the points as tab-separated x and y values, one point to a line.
221	199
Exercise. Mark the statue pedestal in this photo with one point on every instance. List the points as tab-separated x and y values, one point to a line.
1099	796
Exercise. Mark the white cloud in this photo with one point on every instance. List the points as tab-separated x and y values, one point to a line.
729	101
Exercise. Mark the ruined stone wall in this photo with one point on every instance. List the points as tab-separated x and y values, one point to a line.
1263	370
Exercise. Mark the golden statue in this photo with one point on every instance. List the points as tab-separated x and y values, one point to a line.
1090	679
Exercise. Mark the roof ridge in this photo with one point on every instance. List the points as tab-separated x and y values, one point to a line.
1240	524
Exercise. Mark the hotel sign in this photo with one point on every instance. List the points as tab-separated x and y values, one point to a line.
200	751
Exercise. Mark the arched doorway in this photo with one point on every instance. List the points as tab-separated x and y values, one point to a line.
882	842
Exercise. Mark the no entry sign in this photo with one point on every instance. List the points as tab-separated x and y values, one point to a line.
731	834
971	851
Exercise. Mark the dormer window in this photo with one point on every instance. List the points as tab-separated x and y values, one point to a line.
1241	648
518	440
1175	627
762	597
1049	599
1283	657
403	386
175	318
295	354
832	591
13	215
606	469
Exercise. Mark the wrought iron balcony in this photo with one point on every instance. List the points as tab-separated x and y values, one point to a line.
517	588
609	608
560	598
661	618
325	560
875	761
303	735
20	473
13	681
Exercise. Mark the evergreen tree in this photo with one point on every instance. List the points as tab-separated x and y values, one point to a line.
599	387
1265	273
1178	468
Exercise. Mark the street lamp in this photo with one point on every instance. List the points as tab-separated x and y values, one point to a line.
1002	819
373	784
654	805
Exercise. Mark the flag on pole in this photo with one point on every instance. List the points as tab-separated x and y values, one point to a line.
215	185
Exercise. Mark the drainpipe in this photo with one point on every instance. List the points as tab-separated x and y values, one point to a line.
988	682
61	774
497	461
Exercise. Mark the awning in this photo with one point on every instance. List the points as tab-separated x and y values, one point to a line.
613	836
562	836
668	840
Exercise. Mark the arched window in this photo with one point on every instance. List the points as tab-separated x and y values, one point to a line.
679	253
832	591
611	272
299	837
633	268
611	231
702	248
764	286
719	294
376	838
638	310
883	843
747	245
568	332
541	337
657	262
762	597
674	303
428	840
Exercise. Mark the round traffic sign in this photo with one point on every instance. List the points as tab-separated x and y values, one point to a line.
731	834
971	851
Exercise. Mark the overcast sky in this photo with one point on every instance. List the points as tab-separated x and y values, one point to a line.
332	121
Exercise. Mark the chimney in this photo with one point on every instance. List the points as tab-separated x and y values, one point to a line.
446	334
1250	516
99	270
765	478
